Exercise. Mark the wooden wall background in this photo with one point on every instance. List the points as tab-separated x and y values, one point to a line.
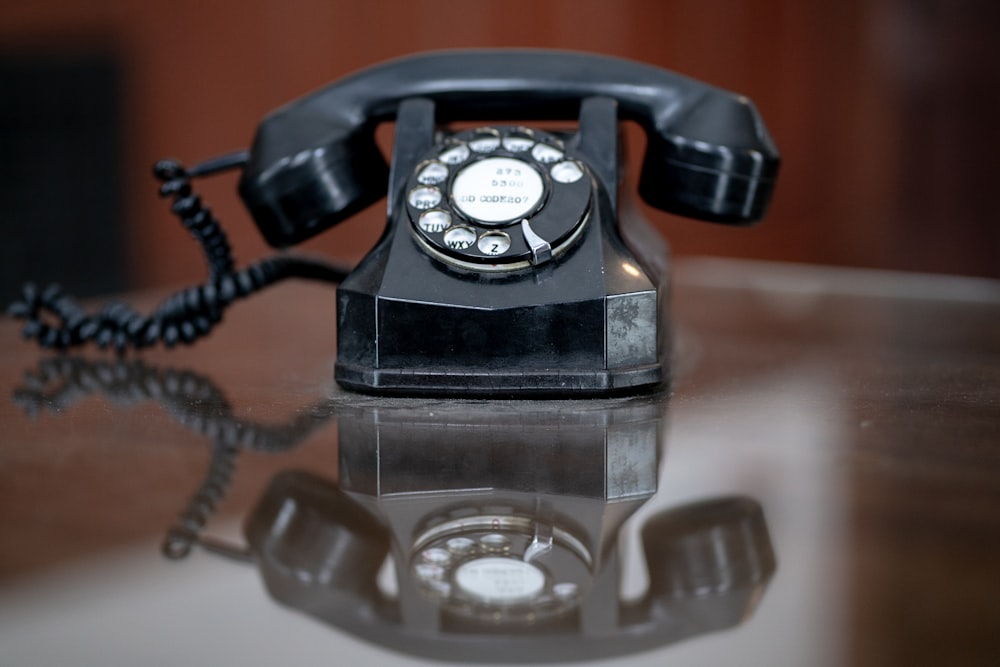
884	110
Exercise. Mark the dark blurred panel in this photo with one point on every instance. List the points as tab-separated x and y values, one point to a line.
60	158
947	77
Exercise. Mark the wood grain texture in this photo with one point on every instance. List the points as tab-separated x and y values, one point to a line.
883	110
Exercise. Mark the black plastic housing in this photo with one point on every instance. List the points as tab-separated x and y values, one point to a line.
585	324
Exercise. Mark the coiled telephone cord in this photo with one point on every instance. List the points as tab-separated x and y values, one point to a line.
185	316
194	402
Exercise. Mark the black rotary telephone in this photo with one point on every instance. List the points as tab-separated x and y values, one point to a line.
504	268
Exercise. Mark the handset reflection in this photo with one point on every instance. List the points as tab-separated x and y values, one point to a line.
489	531
461	530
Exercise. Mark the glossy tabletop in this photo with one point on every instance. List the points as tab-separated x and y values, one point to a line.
819	486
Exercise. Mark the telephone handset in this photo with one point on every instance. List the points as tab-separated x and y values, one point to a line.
315	162
503	269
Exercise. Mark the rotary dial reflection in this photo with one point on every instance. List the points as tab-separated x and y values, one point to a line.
484	567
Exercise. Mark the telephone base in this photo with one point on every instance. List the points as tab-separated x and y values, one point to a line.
528	384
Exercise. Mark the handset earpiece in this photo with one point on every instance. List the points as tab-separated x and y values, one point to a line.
308	535
294	189
710	558
716	162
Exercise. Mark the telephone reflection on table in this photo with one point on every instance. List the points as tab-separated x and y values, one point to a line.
458	531
504	269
